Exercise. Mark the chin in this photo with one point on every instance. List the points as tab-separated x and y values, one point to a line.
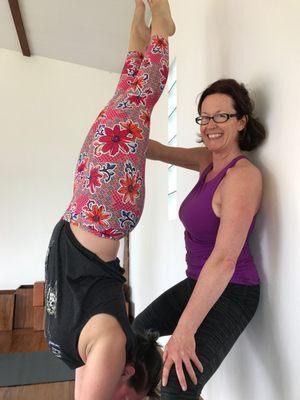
213	146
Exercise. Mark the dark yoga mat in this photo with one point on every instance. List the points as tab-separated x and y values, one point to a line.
18	369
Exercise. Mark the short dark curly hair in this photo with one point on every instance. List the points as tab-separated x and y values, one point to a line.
147	361
254	133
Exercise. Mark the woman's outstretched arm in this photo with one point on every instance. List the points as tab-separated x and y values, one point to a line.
195	158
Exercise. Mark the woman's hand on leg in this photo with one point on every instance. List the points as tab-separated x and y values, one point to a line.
181	350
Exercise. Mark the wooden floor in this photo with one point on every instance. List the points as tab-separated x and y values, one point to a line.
28	340
47	391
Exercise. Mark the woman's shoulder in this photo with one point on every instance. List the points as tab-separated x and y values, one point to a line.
245	166
244	170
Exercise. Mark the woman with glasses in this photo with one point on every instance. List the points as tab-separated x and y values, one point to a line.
86	322
206	312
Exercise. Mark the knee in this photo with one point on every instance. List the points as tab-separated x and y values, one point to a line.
144	321
147	320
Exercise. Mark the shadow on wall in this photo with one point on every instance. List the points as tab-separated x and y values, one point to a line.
263	335
265	245
261	345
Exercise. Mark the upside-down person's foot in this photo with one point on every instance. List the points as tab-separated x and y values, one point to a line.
162	20
140	32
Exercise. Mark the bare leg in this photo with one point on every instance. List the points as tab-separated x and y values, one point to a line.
140	36
162	22
140	32
139	39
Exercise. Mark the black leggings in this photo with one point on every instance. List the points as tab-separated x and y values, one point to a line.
216	335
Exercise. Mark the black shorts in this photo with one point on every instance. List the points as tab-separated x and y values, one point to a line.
79	285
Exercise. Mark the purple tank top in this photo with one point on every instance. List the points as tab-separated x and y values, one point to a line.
201	227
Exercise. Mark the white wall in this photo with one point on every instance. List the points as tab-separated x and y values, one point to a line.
46	109
257	43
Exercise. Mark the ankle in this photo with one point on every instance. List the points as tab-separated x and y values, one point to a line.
161	30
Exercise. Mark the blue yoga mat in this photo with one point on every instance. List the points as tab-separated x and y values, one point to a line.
18	369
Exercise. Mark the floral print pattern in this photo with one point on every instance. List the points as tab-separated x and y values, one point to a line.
130	188
94	178
109	190
113	141
96	215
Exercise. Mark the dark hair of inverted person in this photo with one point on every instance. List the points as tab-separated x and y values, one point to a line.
147	361
254	133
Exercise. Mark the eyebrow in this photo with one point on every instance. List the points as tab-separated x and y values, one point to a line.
217	112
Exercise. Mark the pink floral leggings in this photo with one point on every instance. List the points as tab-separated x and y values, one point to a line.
109	188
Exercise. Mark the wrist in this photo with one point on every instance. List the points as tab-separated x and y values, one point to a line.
150	154
186	329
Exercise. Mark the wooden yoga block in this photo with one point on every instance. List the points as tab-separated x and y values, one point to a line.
38	294
7	305
38	318
23	307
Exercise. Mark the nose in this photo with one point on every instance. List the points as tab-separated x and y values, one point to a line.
211	122
211	125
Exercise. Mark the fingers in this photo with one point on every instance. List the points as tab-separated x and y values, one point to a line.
165	355
197	363
166	371
180	375
168	362
179	371
190	370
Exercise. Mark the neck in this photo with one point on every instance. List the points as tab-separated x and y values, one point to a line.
220	160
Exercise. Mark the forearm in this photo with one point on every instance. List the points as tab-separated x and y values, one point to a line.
195	158
212	281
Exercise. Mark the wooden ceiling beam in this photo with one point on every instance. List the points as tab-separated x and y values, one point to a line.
17	17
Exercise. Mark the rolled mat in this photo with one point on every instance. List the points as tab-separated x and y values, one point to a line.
18	369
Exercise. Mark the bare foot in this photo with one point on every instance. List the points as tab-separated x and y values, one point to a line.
162	21
140	32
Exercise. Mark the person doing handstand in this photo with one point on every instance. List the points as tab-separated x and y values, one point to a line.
86	322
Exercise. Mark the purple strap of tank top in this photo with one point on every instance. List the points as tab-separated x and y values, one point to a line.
222	172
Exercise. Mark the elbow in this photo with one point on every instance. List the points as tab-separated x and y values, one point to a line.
224	268
225	263
229	265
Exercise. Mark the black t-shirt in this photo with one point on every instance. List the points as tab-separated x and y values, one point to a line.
79	285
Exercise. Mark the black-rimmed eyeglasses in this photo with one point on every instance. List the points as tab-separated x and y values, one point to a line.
218	118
